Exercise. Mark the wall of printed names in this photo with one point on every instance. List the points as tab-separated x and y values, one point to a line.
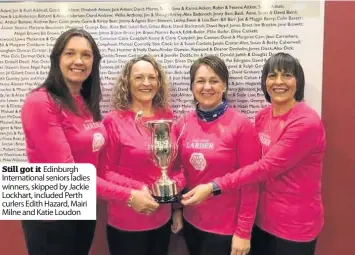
243	33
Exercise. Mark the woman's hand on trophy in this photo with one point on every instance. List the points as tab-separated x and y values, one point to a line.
142	202
146	190
177	223
197	194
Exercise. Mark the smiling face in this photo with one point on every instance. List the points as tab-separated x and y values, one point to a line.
143	82
281	87
76	61
283	80
208	88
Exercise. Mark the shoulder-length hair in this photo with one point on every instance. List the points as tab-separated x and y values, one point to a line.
121	96
91	88
284	62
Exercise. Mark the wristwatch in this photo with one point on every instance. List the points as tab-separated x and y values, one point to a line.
216	190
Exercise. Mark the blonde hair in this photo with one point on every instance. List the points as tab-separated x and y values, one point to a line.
121	96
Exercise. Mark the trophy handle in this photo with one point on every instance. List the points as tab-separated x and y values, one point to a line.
181	132
176	146
138	122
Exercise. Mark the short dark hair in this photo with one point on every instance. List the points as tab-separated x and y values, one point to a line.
284	62
216	64
91	88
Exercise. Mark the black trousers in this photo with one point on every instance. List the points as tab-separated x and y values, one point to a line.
199	242
263	243
58	237
148	242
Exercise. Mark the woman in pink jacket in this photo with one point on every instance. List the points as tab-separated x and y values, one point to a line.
137	224
216	139
290	210
62	124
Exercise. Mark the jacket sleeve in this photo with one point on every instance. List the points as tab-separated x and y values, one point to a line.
298	140
178	171
44	134
178	174
109	191
248	151
113	186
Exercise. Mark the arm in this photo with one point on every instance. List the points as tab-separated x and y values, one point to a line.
110	156
248	151
41	122
112	185
178	171
298	140
178	175
108	191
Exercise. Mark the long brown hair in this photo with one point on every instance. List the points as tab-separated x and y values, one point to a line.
91	88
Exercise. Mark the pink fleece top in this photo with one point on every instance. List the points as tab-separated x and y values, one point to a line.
290	202
127	161
54	134
213	149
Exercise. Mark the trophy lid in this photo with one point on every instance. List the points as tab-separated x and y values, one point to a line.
160	121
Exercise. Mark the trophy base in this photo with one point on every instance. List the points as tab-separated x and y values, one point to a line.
167	200
165	191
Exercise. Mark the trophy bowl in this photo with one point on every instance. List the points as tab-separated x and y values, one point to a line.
164	152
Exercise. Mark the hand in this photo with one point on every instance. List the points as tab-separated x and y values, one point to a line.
143	202
197	194
146	190
177	221
240	246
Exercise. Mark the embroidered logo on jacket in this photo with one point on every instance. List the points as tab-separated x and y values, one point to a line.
92	125
200	144
265	139
97	142
198	161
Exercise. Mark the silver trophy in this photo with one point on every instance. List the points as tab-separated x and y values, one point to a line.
164	151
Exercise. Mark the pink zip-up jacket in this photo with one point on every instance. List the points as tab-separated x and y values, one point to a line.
210	150
53	134
290	202
127	161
